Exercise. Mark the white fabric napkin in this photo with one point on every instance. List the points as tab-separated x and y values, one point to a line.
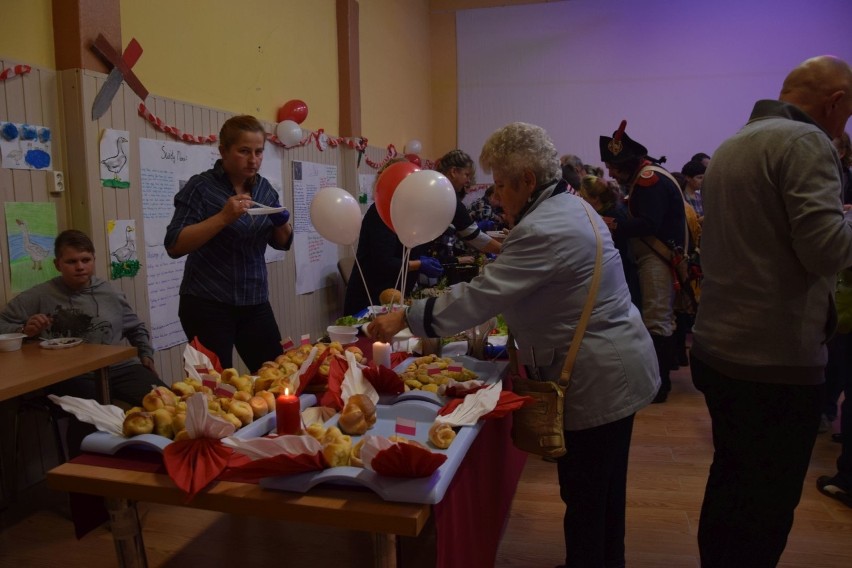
355	383
201	424
105	417
259	448
474	407
193	358
295	378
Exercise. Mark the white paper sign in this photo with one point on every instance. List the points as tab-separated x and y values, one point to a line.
316	258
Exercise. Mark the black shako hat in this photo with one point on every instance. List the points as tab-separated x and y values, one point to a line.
620	147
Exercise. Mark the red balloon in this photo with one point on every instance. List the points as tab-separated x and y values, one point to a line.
414	159
386	186
294	110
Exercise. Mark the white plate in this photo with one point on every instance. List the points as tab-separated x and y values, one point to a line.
60	343
265	210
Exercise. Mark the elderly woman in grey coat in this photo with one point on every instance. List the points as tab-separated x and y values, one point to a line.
540	282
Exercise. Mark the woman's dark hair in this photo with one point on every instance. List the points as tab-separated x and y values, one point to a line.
692	169
454	159
232	128
77	240
699	157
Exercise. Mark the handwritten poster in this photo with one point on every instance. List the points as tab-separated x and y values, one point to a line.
316	258
166	167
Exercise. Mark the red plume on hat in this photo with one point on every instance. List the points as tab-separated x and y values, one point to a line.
620	147
615	145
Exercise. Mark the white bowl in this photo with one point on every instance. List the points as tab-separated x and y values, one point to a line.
11	341
342	333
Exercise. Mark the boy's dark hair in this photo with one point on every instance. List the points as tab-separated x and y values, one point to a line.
78	240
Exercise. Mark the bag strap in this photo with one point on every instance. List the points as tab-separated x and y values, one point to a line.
573	350
671	178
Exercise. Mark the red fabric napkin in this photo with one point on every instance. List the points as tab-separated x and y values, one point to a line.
507	402
457	391
210	355
311	372
331	397
248	471
384	380
407	460
193	464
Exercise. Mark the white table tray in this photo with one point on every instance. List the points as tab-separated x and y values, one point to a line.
428	490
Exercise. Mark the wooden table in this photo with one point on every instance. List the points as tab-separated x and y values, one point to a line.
32	368
325	506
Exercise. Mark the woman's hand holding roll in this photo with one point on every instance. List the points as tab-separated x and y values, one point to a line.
385	327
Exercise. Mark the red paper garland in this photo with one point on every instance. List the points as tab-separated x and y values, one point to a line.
359	144
15	71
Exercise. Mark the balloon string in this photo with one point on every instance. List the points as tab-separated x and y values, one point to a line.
361	272
406	254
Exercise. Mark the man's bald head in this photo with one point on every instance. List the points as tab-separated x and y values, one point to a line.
821	87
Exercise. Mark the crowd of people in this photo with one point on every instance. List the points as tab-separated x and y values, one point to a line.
741	249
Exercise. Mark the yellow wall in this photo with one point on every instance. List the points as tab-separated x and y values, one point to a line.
27	32
395	73
269	52
278	50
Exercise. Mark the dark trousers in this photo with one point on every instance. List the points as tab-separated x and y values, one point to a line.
221	327
844	462
836	371
593	486
763	436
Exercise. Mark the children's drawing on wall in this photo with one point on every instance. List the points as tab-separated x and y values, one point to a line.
115	169
122	248
31	230
24	146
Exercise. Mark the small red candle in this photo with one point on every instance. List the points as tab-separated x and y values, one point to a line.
288	419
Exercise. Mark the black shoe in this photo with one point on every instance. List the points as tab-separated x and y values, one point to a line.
662	395
829	487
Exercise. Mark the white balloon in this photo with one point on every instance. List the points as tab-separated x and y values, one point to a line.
422	207
336	215
288	132
413	147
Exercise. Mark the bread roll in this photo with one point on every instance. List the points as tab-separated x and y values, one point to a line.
163	423
355	455
402	440
390	296
441	435
258	406
242	395
242	410
183	388
337	452
137	423
358	415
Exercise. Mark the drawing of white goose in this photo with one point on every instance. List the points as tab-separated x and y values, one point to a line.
116	163
36	251
128	251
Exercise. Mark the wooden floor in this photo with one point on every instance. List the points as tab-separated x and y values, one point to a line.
669	459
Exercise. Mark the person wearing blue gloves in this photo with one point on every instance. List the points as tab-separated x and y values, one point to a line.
224	295
380	256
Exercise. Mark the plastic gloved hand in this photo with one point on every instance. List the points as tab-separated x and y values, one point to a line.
485	225
281	218
430	267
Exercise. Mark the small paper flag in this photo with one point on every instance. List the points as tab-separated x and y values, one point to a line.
455	368
406	426
225	391
287	344
209	381
306	339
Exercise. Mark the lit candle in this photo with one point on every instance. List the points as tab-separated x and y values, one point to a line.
382	353
288	419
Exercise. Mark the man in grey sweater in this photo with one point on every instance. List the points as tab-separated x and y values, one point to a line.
78	304
774	238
